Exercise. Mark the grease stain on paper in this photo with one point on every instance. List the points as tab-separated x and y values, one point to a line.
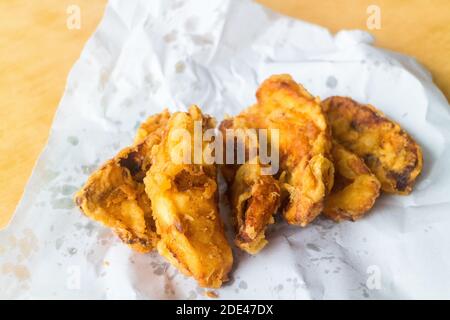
332	82
243	285
72	140
63	203
171	36
19	271
313	247
26	245
179	67
202	40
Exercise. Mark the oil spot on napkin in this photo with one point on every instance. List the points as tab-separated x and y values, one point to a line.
63	203
202	40
159	268
179	67
72	251
72	140
58	243
243	285
49	175
159	271
105	238
313	247
332	82
68	190
65	190
26	244
278	288
169	288
171	36
88	227
20	272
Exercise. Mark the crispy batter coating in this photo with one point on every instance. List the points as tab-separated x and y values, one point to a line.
306	171
390	153
254	199
185	204
355	188
115	195
152	124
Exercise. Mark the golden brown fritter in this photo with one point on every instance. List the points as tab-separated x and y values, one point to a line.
306	171
150	125
254	199
115	195
185	204
355	187
390	153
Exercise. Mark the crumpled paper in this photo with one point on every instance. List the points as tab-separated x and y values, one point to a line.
147	55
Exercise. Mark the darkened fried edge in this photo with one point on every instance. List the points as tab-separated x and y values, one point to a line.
405	179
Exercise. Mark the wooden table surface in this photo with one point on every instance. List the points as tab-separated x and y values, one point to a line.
38	50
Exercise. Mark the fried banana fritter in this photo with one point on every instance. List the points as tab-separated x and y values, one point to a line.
152	124
185	204
115	195
254	199
390	153
355	188
306	171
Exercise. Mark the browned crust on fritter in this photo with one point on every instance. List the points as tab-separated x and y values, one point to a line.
185	204
114	195
355	187
390	153
150	125
304	144
254	198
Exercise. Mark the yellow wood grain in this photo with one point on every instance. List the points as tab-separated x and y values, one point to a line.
420	28
37	51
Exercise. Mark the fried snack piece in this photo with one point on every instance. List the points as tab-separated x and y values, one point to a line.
355	188
185	203
306	171
150	125
390	153
254	199
115	195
